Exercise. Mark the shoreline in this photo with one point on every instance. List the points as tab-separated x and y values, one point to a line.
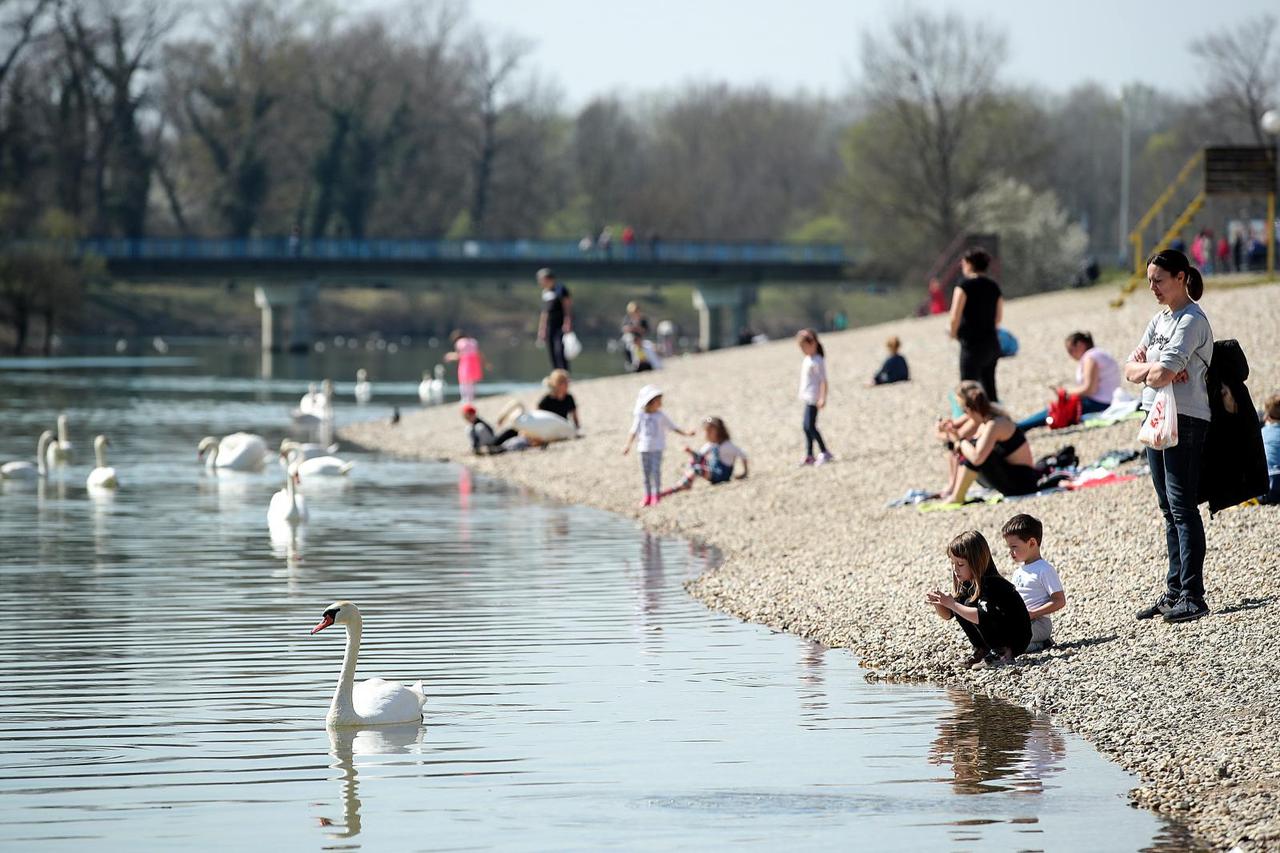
1190	709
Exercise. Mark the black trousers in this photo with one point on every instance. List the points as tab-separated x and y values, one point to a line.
991	633
978	362
555	348
1003	476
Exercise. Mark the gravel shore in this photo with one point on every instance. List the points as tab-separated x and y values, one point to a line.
1193	709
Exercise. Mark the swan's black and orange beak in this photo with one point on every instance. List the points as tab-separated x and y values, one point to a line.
325	621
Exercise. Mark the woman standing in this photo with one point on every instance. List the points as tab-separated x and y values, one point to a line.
977	307
1176	350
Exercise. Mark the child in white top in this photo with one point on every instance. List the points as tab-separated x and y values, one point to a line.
813	393
649	433
714	461
1035	580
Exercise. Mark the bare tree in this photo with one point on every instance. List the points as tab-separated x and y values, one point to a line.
1243	68
930	78
492	68
17	30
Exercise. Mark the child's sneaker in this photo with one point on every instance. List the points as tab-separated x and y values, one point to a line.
823	459
808	460
648	501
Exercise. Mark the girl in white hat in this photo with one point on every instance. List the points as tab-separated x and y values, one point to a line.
649	433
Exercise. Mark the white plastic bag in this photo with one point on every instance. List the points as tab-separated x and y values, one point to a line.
1160	429
572	346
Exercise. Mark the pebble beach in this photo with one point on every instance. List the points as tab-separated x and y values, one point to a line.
1193	709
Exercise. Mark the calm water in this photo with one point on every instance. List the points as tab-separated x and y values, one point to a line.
159	687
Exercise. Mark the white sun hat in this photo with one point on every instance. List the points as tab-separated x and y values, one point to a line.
646	395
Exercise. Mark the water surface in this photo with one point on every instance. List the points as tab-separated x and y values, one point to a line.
159	687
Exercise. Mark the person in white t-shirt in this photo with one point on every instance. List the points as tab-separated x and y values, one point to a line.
649	434
714	461
1035	580
813	393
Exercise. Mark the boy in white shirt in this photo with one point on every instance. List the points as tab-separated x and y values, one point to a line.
1035	580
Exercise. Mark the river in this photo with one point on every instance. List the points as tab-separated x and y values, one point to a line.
159	686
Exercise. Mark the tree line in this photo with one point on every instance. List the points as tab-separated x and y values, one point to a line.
139	118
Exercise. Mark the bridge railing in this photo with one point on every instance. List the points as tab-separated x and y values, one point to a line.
547	251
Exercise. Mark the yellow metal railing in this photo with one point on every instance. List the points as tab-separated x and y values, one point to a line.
1140	248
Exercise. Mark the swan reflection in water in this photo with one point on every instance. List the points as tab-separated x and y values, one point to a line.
996	746
287	541
346	743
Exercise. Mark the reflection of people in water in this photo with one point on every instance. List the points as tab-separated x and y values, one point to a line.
652	573
344	745
995	746
813	699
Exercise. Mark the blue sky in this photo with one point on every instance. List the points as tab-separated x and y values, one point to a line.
590	48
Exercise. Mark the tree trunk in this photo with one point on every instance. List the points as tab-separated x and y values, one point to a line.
47	348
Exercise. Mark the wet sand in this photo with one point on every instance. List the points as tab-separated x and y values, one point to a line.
1193	709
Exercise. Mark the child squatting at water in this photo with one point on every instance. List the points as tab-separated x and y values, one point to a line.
989	608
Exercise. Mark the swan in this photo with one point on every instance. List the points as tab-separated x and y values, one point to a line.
364	390
306	450
309	400
431	391
102	477
287	506
59	452
24	470
321	466
371	703
240	451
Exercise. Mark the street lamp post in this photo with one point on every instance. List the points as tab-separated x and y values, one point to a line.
1271	126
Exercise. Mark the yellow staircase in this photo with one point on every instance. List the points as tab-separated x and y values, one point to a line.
1141	251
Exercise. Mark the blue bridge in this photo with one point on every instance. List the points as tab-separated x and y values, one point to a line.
287	272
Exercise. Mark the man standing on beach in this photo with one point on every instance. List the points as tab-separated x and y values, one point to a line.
557	317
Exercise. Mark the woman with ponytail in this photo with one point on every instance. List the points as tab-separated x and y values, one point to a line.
1176	350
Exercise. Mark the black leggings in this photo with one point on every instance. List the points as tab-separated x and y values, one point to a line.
555	349
978	362
994	633
811	433
1006	478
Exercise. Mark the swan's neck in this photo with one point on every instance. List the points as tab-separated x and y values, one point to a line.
100	453
62	432
292	489
42	448
342	707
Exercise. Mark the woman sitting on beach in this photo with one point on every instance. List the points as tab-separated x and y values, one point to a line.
714	461
558	399
989	608
985	445
1097	378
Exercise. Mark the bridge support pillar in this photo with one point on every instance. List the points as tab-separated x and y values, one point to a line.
722	311
274	300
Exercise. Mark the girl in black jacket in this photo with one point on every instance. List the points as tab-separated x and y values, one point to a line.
990	610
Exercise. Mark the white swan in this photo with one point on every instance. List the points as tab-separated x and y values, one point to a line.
374	702
102	477
24	470
240	451
364	390
59	452
431	391
306	449
287	506
322	466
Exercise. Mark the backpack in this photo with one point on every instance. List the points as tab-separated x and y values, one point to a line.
1065	411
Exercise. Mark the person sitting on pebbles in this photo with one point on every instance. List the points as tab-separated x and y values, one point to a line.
1034	579
714	461
483	439
988	607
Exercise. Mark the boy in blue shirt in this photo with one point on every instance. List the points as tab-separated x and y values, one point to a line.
1271	444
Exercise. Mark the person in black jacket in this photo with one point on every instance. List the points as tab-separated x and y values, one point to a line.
989	608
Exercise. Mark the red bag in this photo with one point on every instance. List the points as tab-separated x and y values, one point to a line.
1064	411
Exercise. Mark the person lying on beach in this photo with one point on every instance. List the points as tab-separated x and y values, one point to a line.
1034	579
1097	379
714	461
894	368
997	454
987	606
483	439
